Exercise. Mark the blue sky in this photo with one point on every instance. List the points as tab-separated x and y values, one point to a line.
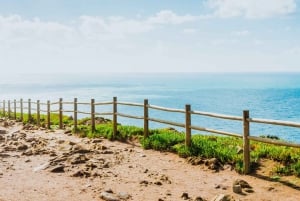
149	36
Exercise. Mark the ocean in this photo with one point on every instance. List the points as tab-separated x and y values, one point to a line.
266	95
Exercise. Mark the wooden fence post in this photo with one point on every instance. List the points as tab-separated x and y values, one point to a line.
115	120
246	146
29	110
75	115
93	115
38	113
8	108
21	109
188	125
48	114
3	108
60	113
15	109
146	119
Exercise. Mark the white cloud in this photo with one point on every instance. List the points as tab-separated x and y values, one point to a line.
169	17
251	8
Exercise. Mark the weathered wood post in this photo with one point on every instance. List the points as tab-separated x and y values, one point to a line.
3	108
115	120
29	110
246	146
146	119
38	113
8	108
21	109
60	113
188	125
15	109
75	115
48	114
93	115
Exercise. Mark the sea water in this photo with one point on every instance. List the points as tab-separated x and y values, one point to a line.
266	95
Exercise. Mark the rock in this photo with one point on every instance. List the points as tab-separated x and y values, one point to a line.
239	150
124	196
237	189
58	169
145	182
68	131
199	198
195	160
81	173
158	183
22	147
108	196
41	167
107	152
249	190
223	197
3	131
98	141
78	158
242	183
185	196
213	164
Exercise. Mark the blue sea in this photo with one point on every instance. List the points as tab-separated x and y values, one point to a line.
266	95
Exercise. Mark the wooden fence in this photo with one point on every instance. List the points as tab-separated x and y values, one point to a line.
9	109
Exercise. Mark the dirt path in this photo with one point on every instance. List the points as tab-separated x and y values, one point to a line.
54	166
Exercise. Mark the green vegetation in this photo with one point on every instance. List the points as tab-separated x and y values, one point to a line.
227	150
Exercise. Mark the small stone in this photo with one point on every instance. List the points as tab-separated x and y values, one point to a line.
158	183
3	131
108	196
185	196
144	182
107	152
160	199
237	189
249	190
242	183
97	141
108	190
22	147
27	161
199	198
123	195
142	155
58	169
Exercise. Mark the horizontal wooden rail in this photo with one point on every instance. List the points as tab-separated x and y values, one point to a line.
165	109
80	112
104	103
216	131
275	142
130	116
55	103
83	103
215	115
68	103
131	104
103	113
275	122
167	122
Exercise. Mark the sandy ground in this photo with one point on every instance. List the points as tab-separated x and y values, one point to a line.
38	165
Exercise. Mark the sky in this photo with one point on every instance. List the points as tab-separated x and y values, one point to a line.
94	36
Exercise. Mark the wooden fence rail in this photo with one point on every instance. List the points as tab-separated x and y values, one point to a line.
6	107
